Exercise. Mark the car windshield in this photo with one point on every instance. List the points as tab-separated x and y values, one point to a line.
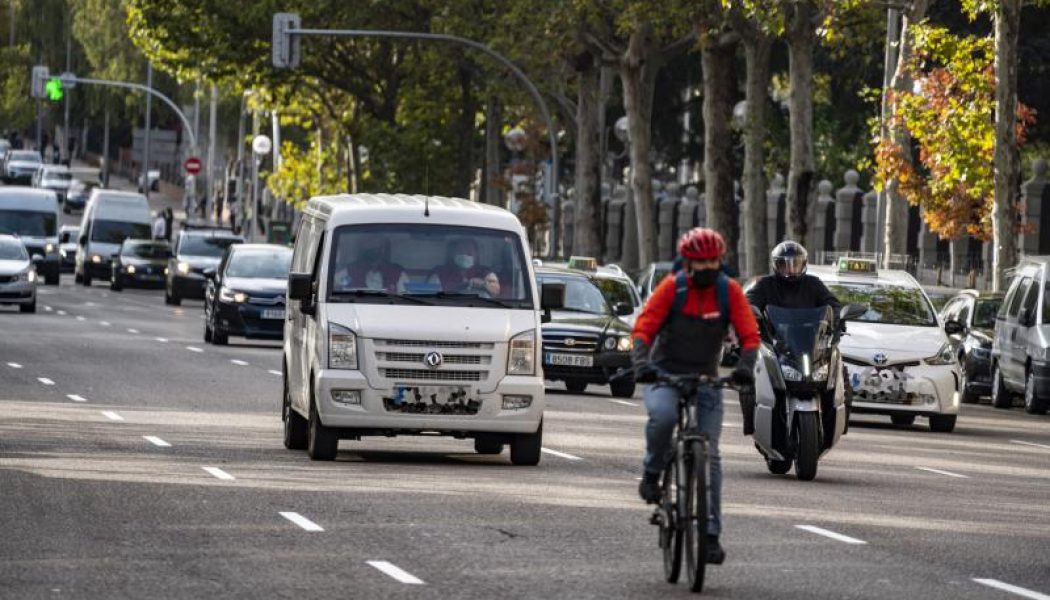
12	250
199	245
147	250
25	156
581	294
115	232
887	304
269	264
445	264
28	223
58	176
616	291
984	316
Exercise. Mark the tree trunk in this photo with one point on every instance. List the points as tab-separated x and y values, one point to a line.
465	131
490	189
716	57
587	232
801	40
1007	175
757	51
637	74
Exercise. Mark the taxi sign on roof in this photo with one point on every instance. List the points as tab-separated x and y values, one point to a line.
583	263
857	266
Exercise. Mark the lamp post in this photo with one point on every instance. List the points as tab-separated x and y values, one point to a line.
261	146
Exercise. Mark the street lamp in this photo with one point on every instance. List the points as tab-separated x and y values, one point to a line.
261	146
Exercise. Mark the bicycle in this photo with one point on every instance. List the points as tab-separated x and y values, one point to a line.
682	511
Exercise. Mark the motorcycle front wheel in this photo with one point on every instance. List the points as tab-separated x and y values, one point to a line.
808	432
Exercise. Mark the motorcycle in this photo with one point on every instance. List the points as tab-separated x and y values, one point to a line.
800	411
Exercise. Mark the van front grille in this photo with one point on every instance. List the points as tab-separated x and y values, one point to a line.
431	375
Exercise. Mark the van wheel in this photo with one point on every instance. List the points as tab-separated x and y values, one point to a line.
942	423
622	389
1033	404
902	420
28	308
85	279
322	443
296	428
487	445
525	448
1001	397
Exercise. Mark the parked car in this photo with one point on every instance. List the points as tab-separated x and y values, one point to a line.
17	275
245	295
195	251
139	263
976	311
20	166
1021	349
67	247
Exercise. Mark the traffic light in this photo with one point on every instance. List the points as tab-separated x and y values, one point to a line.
38	88
285	45
54	89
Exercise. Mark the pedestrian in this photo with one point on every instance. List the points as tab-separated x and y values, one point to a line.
234	205
169	218
159	226
218	204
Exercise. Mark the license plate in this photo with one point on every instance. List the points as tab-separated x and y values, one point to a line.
568	360
433	400
273	313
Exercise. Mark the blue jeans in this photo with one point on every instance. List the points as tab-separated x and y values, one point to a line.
662	404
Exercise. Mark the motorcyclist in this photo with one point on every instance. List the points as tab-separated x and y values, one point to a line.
680	331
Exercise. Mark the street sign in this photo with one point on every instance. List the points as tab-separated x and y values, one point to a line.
192	165
285	45
69	80
261	144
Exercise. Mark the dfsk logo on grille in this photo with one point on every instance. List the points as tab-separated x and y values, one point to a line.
880	358
433	360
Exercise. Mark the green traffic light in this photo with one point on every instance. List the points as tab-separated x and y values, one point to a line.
54	89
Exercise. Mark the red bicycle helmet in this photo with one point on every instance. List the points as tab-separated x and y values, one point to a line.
701	243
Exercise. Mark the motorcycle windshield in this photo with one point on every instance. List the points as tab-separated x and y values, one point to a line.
801	331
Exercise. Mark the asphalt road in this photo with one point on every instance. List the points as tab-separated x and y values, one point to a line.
137	461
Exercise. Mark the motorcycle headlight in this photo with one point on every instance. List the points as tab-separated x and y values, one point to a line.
184	268
944	356
342	347
521	357
228	295
790	373
821	372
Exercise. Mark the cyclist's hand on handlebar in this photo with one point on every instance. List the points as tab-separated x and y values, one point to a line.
742	376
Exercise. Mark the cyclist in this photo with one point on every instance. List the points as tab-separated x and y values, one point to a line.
680	331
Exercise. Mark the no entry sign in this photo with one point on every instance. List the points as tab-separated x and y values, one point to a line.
193	165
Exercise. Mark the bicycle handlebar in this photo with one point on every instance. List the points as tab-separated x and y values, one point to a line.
663	376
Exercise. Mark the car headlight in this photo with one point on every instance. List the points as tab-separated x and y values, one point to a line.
944	356
183	267
27	275
521	359
228	295
790	373
62	253
96	258
625	344
618	343
48	249
342	347
130	269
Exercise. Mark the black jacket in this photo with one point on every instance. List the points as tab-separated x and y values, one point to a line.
807	292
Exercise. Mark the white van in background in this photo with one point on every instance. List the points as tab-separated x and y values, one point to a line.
32	215
411	315
110	217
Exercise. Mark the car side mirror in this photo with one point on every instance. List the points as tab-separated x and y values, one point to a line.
209	273
300	288
953	327
852	311
622	309
552	297
37	258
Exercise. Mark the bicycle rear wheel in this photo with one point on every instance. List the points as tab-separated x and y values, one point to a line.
694	513
670	532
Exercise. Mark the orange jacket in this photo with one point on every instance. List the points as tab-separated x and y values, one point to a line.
699	302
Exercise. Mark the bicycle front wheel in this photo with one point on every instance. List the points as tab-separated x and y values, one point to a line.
670	529
694	513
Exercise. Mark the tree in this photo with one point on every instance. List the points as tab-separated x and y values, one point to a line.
1007	160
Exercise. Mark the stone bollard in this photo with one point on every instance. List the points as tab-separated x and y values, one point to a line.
848	210
568	225
776	210
869	219
823	223
629	255
687	210
1036	194
667	227
614	219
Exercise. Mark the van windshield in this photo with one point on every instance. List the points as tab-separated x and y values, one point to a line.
442	264
115	232
27	223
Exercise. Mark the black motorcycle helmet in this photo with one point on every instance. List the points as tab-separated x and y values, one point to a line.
789	260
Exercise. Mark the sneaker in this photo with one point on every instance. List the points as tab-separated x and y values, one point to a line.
715	554
649	488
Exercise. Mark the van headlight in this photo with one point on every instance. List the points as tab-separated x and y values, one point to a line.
944	356
521	359
342	347
228	295
48	249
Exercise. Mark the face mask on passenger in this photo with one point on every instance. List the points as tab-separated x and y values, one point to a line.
464	261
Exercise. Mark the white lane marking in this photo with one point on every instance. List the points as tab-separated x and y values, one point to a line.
239	363
156	441
940	472
1033	444
218	473
14	365
302	521
194	349
80	318
104	323
273	372
830	534
396	572
62	313
624	402
560	454
76	398
48	308
112	416
162	340
1013	589
45	381
130	330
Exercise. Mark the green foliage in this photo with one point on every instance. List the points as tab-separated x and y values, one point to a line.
17	109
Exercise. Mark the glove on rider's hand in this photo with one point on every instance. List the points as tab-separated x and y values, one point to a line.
744	373
643	366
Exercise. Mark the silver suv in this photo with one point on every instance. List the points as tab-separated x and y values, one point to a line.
1021	350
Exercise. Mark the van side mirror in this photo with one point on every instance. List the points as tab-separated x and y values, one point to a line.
300	288
953	327
552	297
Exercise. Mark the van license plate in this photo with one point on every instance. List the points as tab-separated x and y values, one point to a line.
433	400
273	313
569	360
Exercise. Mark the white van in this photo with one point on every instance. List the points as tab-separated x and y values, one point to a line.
32	215
411	315
110	217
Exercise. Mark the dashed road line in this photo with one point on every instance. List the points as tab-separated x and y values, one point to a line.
831	534
1013	589
104	323
560	454
623	402
45	381
302	521
194	349
61	313
161	340
112	416
941	472
48	308
1032	444
76	398
275	372
81	318
218	473
156	441
396	572
130	330
239	363
14	365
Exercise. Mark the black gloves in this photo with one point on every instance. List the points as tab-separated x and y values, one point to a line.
744	373
643	366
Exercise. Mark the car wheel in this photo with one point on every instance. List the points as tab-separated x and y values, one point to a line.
85	279
942	423
1001	397
487	445
622	389
322	443
28	308
525	448
114	283
902	420
1033	404
296	428
219	337
575	387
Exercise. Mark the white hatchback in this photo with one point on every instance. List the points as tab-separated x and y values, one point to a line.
898	357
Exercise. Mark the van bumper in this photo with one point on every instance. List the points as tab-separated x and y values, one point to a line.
371	414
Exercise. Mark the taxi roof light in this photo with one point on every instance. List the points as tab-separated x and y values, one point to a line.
583	263
857	266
